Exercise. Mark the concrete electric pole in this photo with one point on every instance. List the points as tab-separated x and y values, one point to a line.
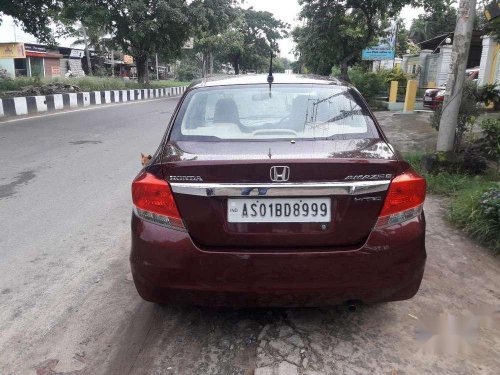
112	63
454	86
157	71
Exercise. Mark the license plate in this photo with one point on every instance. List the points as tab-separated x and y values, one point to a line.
279	210
427	99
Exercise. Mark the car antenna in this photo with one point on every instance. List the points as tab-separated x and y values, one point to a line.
270	78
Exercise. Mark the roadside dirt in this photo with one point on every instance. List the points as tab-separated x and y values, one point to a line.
114	332
408	132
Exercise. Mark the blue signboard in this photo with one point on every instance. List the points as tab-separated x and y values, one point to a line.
386	45
378	53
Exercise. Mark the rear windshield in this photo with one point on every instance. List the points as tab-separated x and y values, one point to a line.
254	112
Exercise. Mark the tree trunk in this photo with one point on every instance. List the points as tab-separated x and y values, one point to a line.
447	136
211	57
344	67
140	62
146	75
344	72
235	62
87	52
203	64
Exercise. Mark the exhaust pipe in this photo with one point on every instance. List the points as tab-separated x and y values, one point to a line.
351	306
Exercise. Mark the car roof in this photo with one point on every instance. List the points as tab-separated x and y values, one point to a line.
254	79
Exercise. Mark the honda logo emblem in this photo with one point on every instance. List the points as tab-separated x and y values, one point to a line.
280	173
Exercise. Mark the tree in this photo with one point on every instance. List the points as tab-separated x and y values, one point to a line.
232	45
251	37
296	66
211	18
447	135
402	40
336	31
439	19
103	46
140	27
188	68
280	64
35	16
143	27
87	23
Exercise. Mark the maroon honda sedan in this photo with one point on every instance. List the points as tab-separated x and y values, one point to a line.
282	194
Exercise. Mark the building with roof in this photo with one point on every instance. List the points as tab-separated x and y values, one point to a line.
29	60
489	67
432	64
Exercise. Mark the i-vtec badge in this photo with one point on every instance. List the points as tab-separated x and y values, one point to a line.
368	177
186	178
367	199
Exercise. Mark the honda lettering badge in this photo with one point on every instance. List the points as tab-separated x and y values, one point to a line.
280	173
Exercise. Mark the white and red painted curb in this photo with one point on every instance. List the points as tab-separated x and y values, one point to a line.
48	103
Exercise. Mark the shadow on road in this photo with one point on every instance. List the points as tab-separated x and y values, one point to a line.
195	340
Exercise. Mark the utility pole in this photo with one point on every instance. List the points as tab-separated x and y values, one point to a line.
87	52
157	72
112	63
454	86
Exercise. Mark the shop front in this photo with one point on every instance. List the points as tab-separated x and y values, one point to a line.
9	54
41	62
29	60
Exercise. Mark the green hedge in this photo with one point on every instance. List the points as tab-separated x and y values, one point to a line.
477	212
475	200
369	84
374	84
86	83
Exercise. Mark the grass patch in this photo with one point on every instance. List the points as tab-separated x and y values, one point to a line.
86	83
467	213
16	84
466	194
449	183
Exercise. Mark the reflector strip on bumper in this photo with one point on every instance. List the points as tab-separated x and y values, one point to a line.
161	220
399	217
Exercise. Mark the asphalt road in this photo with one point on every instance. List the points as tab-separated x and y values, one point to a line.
68	304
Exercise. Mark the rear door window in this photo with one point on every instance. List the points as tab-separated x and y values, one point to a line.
286	111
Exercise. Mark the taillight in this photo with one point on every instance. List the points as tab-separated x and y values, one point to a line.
404	199
154	201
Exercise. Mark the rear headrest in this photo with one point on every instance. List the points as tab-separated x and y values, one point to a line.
226	111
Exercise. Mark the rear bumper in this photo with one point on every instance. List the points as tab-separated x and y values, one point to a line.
433	104
168	268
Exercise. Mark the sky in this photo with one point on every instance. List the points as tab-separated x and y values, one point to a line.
285	10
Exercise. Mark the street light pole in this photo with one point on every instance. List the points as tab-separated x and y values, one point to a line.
454	86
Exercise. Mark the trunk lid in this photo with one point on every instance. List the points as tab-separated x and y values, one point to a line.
202	173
